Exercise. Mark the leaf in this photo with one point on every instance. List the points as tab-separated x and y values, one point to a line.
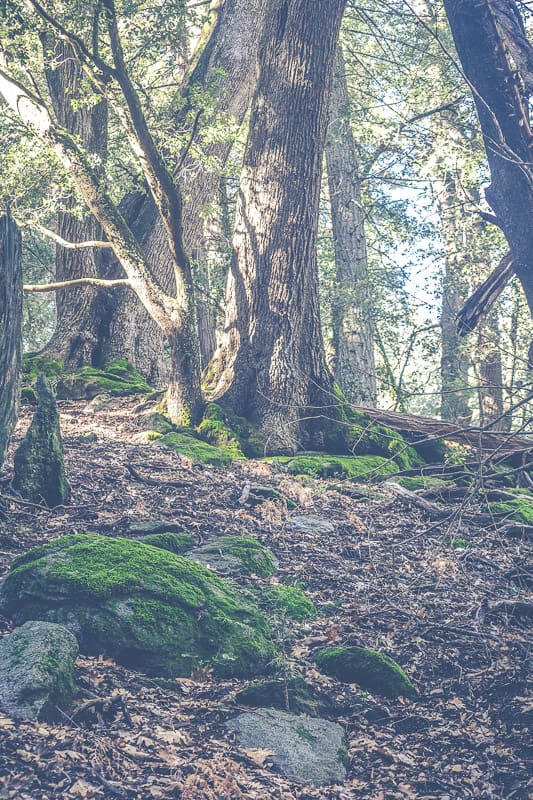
83	789
257	755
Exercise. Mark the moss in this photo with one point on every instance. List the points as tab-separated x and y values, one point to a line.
258	495
359	467
368	668
520	510
86	438
251	557
188	445
157	422
302	696
415	482
148	608
460	544
289	601
215	430
35	363
304	734
342	754
118	379
173	542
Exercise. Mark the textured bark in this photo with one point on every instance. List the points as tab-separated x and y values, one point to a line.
271	366
353	329
10	327
454	358
490	392
80	312
226	64
485	34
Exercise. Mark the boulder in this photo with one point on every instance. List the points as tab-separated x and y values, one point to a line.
235	555
371	670
302	697
305	749
37	670
39	462
148	608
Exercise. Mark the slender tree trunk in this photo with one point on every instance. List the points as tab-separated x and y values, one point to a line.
80	312
10	327
353	329
225	63
490	392
454	358
271	366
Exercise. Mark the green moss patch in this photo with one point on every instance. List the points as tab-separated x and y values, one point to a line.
35	363
215	430
148	608
415	482
302	696
356	467
197	450
118	379
288	601
173	542
236	555
369	669
520	510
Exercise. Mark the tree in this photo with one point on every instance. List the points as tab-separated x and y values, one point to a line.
353	329
174	314
10	327
271	366
497	60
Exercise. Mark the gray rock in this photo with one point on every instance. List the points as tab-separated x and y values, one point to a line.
37	670
38	461
147	527
311	524
305	749
234	556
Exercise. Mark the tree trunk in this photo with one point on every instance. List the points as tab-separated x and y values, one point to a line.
485	41
10	327
80	312
271	366
454	358
490	391
353	329
227	66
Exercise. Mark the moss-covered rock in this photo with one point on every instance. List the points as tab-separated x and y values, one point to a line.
173	542
302	696
35	363
188	445
356	467
236	555
37	670
38	461
145	527
156	422
148	608
371	670
288	601
215	430
520	510
118	379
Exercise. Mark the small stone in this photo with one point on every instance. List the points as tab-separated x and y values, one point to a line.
39	462
36	670
148	527
310	524
368	668
305	749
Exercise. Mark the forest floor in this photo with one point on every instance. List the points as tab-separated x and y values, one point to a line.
392	580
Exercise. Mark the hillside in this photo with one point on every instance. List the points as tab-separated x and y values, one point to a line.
382	572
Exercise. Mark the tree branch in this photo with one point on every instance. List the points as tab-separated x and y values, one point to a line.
63	242
54	287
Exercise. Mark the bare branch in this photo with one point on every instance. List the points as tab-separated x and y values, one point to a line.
63	242
54	287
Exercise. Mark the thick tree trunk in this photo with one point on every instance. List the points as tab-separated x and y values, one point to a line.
80	312
487	36
490	391
454	358
271	366
353	329
226	64
10	327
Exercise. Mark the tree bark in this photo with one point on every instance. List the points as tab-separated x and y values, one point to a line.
353	329
225	63
490	391
80	312
10	327
271	366
484	43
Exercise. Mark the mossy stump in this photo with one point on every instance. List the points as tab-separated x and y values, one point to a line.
147	608
371	670
39	462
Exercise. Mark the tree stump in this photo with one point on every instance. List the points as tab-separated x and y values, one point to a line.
39	462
